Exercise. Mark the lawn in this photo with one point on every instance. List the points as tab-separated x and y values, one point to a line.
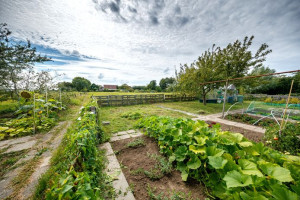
122	93
8	106
119	122
198	108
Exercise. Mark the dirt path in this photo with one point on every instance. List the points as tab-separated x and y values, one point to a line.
21	178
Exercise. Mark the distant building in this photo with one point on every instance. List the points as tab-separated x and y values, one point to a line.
110	87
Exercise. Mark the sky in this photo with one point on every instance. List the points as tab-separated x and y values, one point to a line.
136	41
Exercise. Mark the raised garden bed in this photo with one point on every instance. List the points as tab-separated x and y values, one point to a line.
148	173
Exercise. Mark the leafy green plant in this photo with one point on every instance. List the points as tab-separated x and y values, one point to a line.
248	119
78	173
136	143
232	166
288	141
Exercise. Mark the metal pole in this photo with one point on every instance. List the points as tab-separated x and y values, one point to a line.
286	106
224	99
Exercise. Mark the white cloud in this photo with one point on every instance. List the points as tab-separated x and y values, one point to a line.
137	48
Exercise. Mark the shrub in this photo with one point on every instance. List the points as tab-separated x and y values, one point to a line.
268	100
294	100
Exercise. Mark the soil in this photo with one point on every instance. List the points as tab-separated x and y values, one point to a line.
137	158
250	135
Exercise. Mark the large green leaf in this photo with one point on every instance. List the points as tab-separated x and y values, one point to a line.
180	153
251	196
275	171
214	151
249	168
200	139
236	179
228	138
184	175
3	128
280	193
217	162
194	162
197	149
245	144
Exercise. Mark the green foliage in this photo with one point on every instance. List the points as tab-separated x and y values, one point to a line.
136	143
248	119
288	142
229	164
31	119
132	115
79	172
81	84
8	106
164	83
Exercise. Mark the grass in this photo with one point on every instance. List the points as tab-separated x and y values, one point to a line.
123	93
198	108
136	143
8	106
119	123
7	161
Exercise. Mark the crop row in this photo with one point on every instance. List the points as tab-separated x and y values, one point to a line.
78	174
231	166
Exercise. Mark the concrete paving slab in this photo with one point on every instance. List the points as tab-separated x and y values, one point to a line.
21	146
119	181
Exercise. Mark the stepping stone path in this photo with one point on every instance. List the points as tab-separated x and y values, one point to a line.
217	118
33	144
113	167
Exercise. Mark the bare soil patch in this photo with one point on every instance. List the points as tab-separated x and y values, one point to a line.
135	160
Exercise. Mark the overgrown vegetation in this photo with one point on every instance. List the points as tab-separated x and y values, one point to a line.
227	163
77	170
288	141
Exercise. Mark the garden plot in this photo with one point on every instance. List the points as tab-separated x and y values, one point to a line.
149	174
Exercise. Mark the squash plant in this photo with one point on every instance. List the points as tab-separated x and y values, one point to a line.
227	163
31	118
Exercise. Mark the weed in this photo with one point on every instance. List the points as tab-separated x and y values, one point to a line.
136	143
138	171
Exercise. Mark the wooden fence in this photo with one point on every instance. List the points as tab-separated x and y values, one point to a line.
123	100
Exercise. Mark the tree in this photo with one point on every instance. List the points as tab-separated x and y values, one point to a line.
205	69
165	82
237	58
94	87
81	84
152	85
15	58
125	87
65	86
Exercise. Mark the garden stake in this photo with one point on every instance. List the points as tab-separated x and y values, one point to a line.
286	106
33	113
47	102
224	99
60	99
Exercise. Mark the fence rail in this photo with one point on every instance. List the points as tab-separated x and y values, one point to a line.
123	100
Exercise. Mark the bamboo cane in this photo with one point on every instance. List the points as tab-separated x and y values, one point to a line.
286	106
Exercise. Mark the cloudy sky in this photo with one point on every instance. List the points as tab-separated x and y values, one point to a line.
135	41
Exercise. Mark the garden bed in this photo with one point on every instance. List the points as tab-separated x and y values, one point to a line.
144	156
248	119
250	135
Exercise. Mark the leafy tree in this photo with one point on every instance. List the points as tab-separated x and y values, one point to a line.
94	87
81	84
165	82
125	87
65	86
15	58
205	69
237	58
152	85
